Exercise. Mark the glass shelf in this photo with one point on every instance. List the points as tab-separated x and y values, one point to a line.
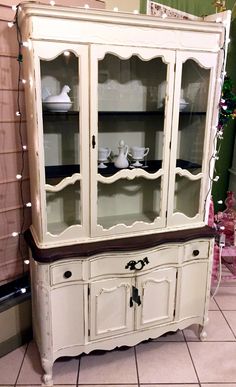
61	171
61	115
145	113
151	166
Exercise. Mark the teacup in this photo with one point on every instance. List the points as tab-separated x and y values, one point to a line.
103	154
138	153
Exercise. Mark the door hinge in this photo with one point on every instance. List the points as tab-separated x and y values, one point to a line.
88	291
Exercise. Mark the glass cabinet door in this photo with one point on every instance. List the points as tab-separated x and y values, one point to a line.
190	151
63	100
131	92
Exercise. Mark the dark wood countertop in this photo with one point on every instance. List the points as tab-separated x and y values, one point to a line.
84	250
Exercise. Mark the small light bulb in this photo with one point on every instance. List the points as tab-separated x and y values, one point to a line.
86	6
23	290
220	201
10	24
26	261
216	178
27	44
28	205
23	81
24	147
18	176
115	9
18	113
15	234
222	228
66	53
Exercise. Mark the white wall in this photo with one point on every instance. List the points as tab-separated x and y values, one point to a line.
123	5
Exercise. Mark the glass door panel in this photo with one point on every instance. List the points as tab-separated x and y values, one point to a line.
193	105
126	202
184	190
61	136
131	99
192	115
61	112
62	73
63	207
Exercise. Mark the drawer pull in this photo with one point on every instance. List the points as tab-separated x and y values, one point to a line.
67	274
195	253
133	265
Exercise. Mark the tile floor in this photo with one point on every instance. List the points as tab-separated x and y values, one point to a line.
177	359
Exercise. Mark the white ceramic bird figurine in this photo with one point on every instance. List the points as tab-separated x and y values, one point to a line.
60	102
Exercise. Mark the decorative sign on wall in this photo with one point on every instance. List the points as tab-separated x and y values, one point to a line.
157	9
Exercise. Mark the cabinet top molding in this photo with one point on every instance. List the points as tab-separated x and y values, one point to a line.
93	26
211	23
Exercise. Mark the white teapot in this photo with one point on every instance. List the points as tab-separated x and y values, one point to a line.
121	160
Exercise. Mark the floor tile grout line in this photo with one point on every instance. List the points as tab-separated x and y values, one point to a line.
20	368
222	312
199	383
136	363
77	378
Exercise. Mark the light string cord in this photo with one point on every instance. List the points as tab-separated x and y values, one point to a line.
19	113
217	136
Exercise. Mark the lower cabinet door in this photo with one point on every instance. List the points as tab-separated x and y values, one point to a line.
192	290
67	309
111	311
157	292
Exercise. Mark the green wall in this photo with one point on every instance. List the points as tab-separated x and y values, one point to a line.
200	8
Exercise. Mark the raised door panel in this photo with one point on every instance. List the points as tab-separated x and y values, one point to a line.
192	290
131	89
110	310
157	292
194	114
67	314
60	140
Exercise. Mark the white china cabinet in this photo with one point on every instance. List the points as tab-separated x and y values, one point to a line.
121	169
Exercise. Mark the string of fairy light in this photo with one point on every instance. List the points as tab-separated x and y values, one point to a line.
21	81
226	105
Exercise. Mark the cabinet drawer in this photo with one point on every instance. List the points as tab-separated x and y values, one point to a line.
66	272
133	263
196	250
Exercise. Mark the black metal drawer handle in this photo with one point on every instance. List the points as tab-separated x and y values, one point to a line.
196	253
133	265
67	274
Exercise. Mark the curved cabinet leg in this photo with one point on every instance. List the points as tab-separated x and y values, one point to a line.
202	331
47	367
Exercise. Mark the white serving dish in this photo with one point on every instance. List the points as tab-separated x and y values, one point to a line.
57	106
